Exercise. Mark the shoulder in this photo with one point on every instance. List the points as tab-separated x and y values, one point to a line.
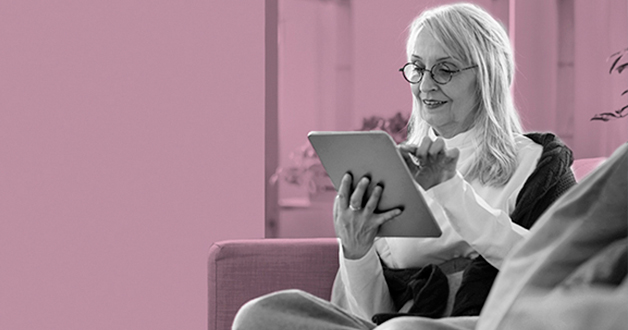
528	151
553	149
523	142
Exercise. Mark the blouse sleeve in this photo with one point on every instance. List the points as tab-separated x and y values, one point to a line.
360	287
488	230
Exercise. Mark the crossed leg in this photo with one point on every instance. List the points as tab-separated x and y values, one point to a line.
298	310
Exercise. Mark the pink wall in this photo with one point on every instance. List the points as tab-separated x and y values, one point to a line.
601	29
131	138
535	41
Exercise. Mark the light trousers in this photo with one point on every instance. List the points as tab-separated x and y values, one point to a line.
298	310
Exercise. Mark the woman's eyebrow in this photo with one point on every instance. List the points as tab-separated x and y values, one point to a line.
417	57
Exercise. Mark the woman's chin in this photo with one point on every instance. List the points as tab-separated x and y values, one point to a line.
435	119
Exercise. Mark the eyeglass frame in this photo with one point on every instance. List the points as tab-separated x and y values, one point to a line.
451	73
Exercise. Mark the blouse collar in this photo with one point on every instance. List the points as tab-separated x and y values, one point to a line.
466	143
461	140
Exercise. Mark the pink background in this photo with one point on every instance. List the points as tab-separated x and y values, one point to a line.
132	135
129	142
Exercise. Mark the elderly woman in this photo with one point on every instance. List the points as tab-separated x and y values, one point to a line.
484	180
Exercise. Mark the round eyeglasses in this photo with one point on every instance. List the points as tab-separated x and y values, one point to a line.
441	73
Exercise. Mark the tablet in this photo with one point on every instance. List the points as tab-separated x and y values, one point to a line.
375	154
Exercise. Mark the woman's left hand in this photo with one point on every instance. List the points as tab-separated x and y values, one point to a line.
434	162
357	226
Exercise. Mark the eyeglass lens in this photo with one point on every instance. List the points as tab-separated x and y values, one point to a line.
440	73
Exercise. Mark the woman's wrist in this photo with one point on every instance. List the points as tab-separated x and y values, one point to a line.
355	253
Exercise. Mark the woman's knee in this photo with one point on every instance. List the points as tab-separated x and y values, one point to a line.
249	315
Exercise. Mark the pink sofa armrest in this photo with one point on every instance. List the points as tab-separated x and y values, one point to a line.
241	270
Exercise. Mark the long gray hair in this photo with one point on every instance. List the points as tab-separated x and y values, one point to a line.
471	35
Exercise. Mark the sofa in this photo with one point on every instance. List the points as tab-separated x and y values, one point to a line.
240	270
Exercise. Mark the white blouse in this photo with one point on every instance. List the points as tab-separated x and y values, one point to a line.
474	219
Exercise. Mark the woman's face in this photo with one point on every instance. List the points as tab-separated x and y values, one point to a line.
447	108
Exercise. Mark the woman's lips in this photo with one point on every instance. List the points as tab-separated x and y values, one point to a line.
433	104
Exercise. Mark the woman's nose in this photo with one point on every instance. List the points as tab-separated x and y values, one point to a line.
427	83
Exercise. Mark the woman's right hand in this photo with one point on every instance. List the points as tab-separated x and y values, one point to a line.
356	226
434	162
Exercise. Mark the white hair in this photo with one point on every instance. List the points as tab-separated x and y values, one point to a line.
471	35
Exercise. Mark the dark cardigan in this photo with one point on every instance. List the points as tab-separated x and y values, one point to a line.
428	286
